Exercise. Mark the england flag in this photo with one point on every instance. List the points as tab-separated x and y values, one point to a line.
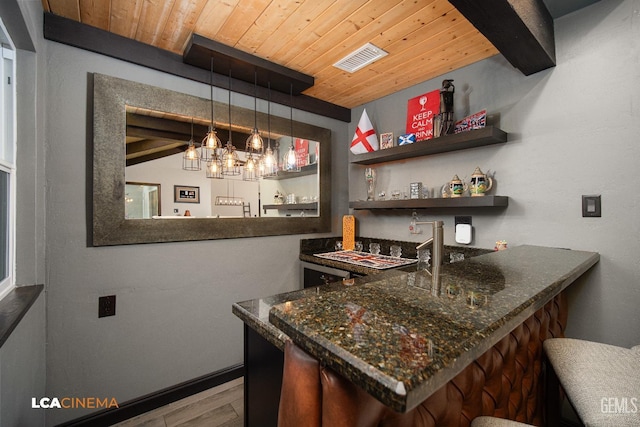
365	138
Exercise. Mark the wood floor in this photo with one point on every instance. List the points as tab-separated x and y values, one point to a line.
221	406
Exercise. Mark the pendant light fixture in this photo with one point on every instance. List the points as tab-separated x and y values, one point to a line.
230	161
269	161
191	158
254	141
250	169
211	143
291	158
214	167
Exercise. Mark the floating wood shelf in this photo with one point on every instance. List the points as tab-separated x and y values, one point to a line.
293	207
456	202
460	141
304	170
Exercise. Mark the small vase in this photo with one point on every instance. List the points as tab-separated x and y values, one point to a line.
370	177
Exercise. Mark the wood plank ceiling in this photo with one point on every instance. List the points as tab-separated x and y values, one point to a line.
424	38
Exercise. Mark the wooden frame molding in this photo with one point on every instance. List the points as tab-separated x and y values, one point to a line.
106	174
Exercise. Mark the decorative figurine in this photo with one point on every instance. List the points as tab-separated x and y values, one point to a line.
480	183
443	124
278	198
501	245
454	188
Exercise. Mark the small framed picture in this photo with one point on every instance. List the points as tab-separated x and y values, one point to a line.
386	140
186	194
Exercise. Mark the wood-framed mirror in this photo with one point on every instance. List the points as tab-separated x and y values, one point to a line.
114	99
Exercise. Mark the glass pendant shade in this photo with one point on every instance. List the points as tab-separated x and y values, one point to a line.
191	157
291	160
250	171
214	167
209	145
211	142
269	162
255	142
261	167
230	161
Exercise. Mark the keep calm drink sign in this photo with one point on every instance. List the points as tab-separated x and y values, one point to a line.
421	111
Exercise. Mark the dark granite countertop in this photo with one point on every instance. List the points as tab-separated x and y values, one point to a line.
310	247
400	340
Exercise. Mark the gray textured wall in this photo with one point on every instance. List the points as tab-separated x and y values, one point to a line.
174	320
573	130
22	357
22	370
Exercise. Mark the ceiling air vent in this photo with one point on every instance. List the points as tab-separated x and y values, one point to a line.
360	58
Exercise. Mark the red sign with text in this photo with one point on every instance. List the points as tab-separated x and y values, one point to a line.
421	111
302	151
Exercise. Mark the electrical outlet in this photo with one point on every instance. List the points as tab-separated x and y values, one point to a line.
107	306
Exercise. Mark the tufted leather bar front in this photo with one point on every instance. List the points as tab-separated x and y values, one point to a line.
505	382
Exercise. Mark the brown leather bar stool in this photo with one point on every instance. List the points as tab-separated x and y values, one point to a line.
496	422
601	381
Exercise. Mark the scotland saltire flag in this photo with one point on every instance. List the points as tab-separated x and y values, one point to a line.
408	138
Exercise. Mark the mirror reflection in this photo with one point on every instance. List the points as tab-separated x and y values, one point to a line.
142	200
114	103
285	185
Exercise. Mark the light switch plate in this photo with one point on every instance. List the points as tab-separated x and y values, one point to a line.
591	206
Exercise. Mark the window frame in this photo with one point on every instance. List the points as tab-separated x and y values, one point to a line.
8	150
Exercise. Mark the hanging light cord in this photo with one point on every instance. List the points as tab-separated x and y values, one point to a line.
211	89
255	100
291	110
230	133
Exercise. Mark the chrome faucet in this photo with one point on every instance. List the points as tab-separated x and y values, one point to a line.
437	252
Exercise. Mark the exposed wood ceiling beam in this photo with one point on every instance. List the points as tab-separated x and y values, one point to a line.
137	148
244	66
153	156
522	30
156	137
